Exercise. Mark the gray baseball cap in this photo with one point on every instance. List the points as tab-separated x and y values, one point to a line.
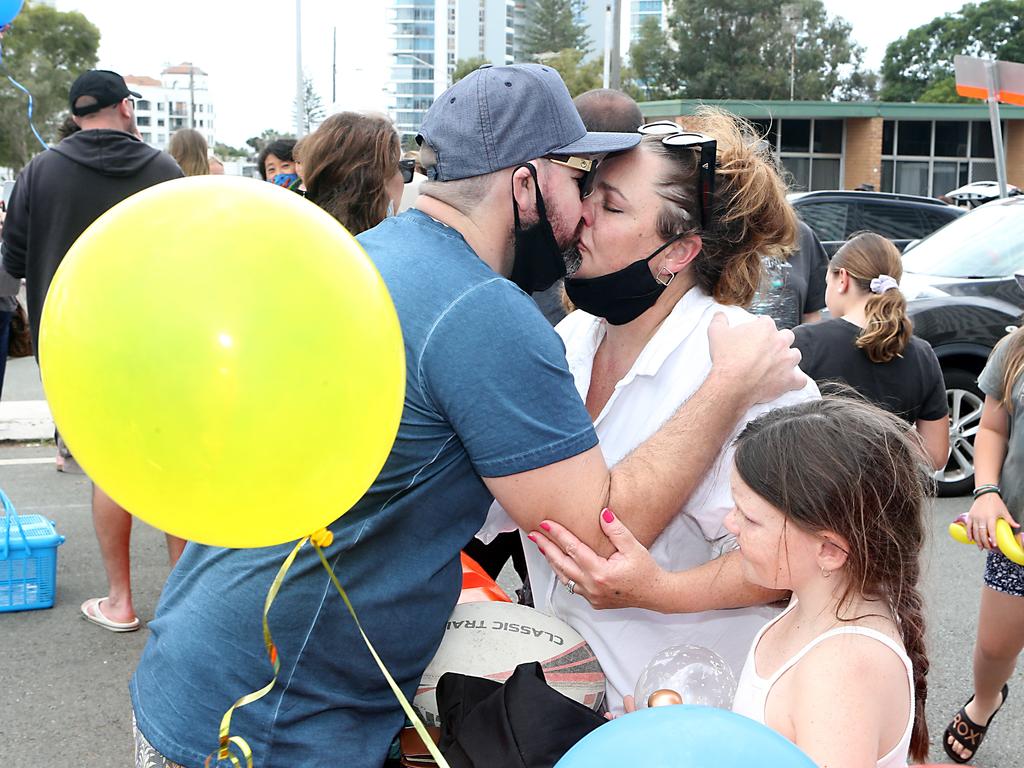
499	117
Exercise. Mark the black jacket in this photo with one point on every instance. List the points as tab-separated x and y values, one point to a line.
65	189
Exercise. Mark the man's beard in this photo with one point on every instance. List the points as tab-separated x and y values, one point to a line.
573	260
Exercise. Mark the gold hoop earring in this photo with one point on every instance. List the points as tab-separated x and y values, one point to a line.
826	573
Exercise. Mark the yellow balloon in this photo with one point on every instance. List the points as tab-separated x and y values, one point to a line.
224	360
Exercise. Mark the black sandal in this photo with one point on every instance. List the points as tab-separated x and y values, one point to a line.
967	732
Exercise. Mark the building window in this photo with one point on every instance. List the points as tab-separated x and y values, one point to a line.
811	151
143	105
142	120
933	157
159	106
160	123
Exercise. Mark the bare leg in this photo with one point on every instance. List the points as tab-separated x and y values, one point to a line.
1000	640
113	531
174	548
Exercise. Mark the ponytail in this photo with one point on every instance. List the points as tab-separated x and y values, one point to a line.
888	329
875	264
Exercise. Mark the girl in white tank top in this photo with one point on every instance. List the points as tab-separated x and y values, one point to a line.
829	498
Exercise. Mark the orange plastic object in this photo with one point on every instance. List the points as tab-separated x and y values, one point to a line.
477	586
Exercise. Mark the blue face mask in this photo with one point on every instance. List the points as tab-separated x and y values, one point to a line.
286	179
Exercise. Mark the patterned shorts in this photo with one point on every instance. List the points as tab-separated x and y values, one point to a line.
1004	575
145	755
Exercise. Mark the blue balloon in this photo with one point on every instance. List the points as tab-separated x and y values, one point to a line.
9	9
684	736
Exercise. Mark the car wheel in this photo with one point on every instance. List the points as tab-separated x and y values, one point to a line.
965	402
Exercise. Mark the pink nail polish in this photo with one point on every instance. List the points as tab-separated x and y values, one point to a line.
545	526
608	516
532	537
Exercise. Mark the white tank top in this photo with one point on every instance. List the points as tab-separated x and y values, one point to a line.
752	690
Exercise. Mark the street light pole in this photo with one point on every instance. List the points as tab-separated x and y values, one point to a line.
300	86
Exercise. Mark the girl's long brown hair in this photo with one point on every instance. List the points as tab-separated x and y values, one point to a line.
843	465
751	217
864	257
1013	365
189	149
347	163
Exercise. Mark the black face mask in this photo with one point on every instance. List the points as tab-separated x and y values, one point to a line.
538	261
619	297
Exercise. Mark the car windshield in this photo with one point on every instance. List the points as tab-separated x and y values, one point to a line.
987	242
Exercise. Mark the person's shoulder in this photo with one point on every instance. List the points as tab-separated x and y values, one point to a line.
853	657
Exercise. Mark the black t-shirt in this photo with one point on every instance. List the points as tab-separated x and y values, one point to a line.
793	287
910	386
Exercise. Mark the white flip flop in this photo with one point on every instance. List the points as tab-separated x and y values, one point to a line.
91	612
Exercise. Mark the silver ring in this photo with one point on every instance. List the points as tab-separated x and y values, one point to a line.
571	586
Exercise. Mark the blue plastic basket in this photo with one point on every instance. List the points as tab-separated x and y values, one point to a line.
28	560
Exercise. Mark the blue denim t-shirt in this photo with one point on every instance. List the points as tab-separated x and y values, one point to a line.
488	394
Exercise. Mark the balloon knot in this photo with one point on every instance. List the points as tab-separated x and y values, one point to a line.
322	538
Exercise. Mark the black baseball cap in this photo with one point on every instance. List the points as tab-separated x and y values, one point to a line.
106	87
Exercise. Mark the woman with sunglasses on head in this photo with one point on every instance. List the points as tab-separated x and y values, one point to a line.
869	343
351	169
672	236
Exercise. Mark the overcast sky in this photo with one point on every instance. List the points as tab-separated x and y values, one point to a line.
249	48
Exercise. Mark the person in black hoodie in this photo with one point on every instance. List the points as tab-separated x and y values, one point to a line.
57	196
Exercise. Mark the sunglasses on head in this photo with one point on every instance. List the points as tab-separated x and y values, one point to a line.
408	168
674	136
588	166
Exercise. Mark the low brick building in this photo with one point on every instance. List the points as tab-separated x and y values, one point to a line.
919	149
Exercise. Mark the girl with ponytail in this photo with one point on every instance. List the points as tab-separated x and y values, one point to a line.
869	344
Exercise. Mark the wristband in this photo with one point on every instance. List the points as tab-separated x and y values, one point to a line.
981	490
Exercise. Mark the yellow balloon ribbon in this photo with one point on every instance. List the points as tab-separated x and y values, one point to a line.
410	713
223	751
319	540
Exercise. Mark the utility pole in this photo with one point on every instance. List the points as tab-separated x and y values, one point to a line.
300	86
615	76
191	95
791	23
334	68
606	76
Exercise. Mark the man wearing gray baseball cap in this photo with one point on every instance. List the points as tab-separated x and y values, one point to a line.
491	411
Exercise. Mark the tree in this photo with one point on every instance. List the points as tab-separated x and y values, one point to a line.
741	49
269	134
45	50
313	107
225	150
652	61
552	26
916	65
578	77
464	66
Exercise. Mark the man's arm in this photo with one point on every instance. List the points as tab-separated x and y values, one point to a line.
751	363
14	248
631	578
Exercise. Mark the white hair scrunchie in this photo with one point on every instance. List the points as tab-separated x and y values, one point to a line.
883	283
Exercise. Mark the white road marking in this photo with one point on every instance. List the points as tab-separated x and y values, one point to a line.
36	460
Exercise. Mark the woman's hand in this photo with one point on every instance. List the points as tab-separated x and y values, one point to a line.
981	520
630	578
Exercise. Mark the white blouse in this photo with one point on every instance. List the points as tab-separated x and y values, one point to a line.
668	371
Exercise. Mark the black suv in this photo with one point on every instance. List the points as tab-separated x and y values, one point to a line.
835	215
